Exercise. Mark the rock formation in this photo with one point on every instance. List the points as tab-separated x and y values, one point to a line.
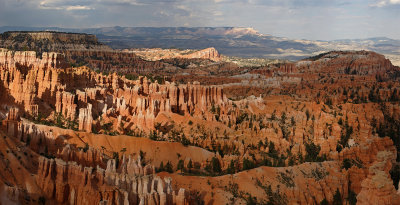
359	62
377	188
208	53
68	182
85	118
159	54
321	129
139	101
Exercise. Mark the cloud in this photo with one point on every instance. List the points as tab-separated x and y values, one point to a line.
62	5
122	2
308	19
77	7
383	3
289	3
88	4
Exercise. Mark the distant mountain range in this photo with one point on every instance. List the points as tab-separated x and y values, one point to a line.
230	41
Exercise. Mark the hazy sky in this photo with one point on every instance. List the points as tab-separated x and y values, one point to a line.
305	19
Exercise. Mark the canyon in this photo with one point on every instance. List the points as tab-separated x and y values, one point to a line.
199	130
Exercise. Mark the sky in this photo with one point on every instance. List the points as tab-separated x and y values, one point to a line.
295	19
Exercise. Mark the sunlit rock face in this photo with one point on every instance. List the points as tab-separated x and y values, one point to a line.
321	129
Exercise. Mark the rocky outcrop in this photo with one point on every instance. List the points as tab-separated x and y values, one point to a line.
10	195
12	121
156	54
286	126
208	53
348	62
27	77
65	104
85	118
49	40
378	188
13	114
86	156
111	61
27	59
68	182
38	86
78	49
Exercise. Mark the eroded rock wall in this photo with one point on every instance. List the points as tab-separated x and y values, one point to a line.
79	94
71	183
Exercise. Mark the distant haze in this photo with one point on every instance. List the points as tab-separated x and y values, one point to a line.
230	41
296	19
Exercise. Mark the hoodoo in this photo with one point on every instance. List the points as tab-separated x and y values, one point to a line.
92	125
